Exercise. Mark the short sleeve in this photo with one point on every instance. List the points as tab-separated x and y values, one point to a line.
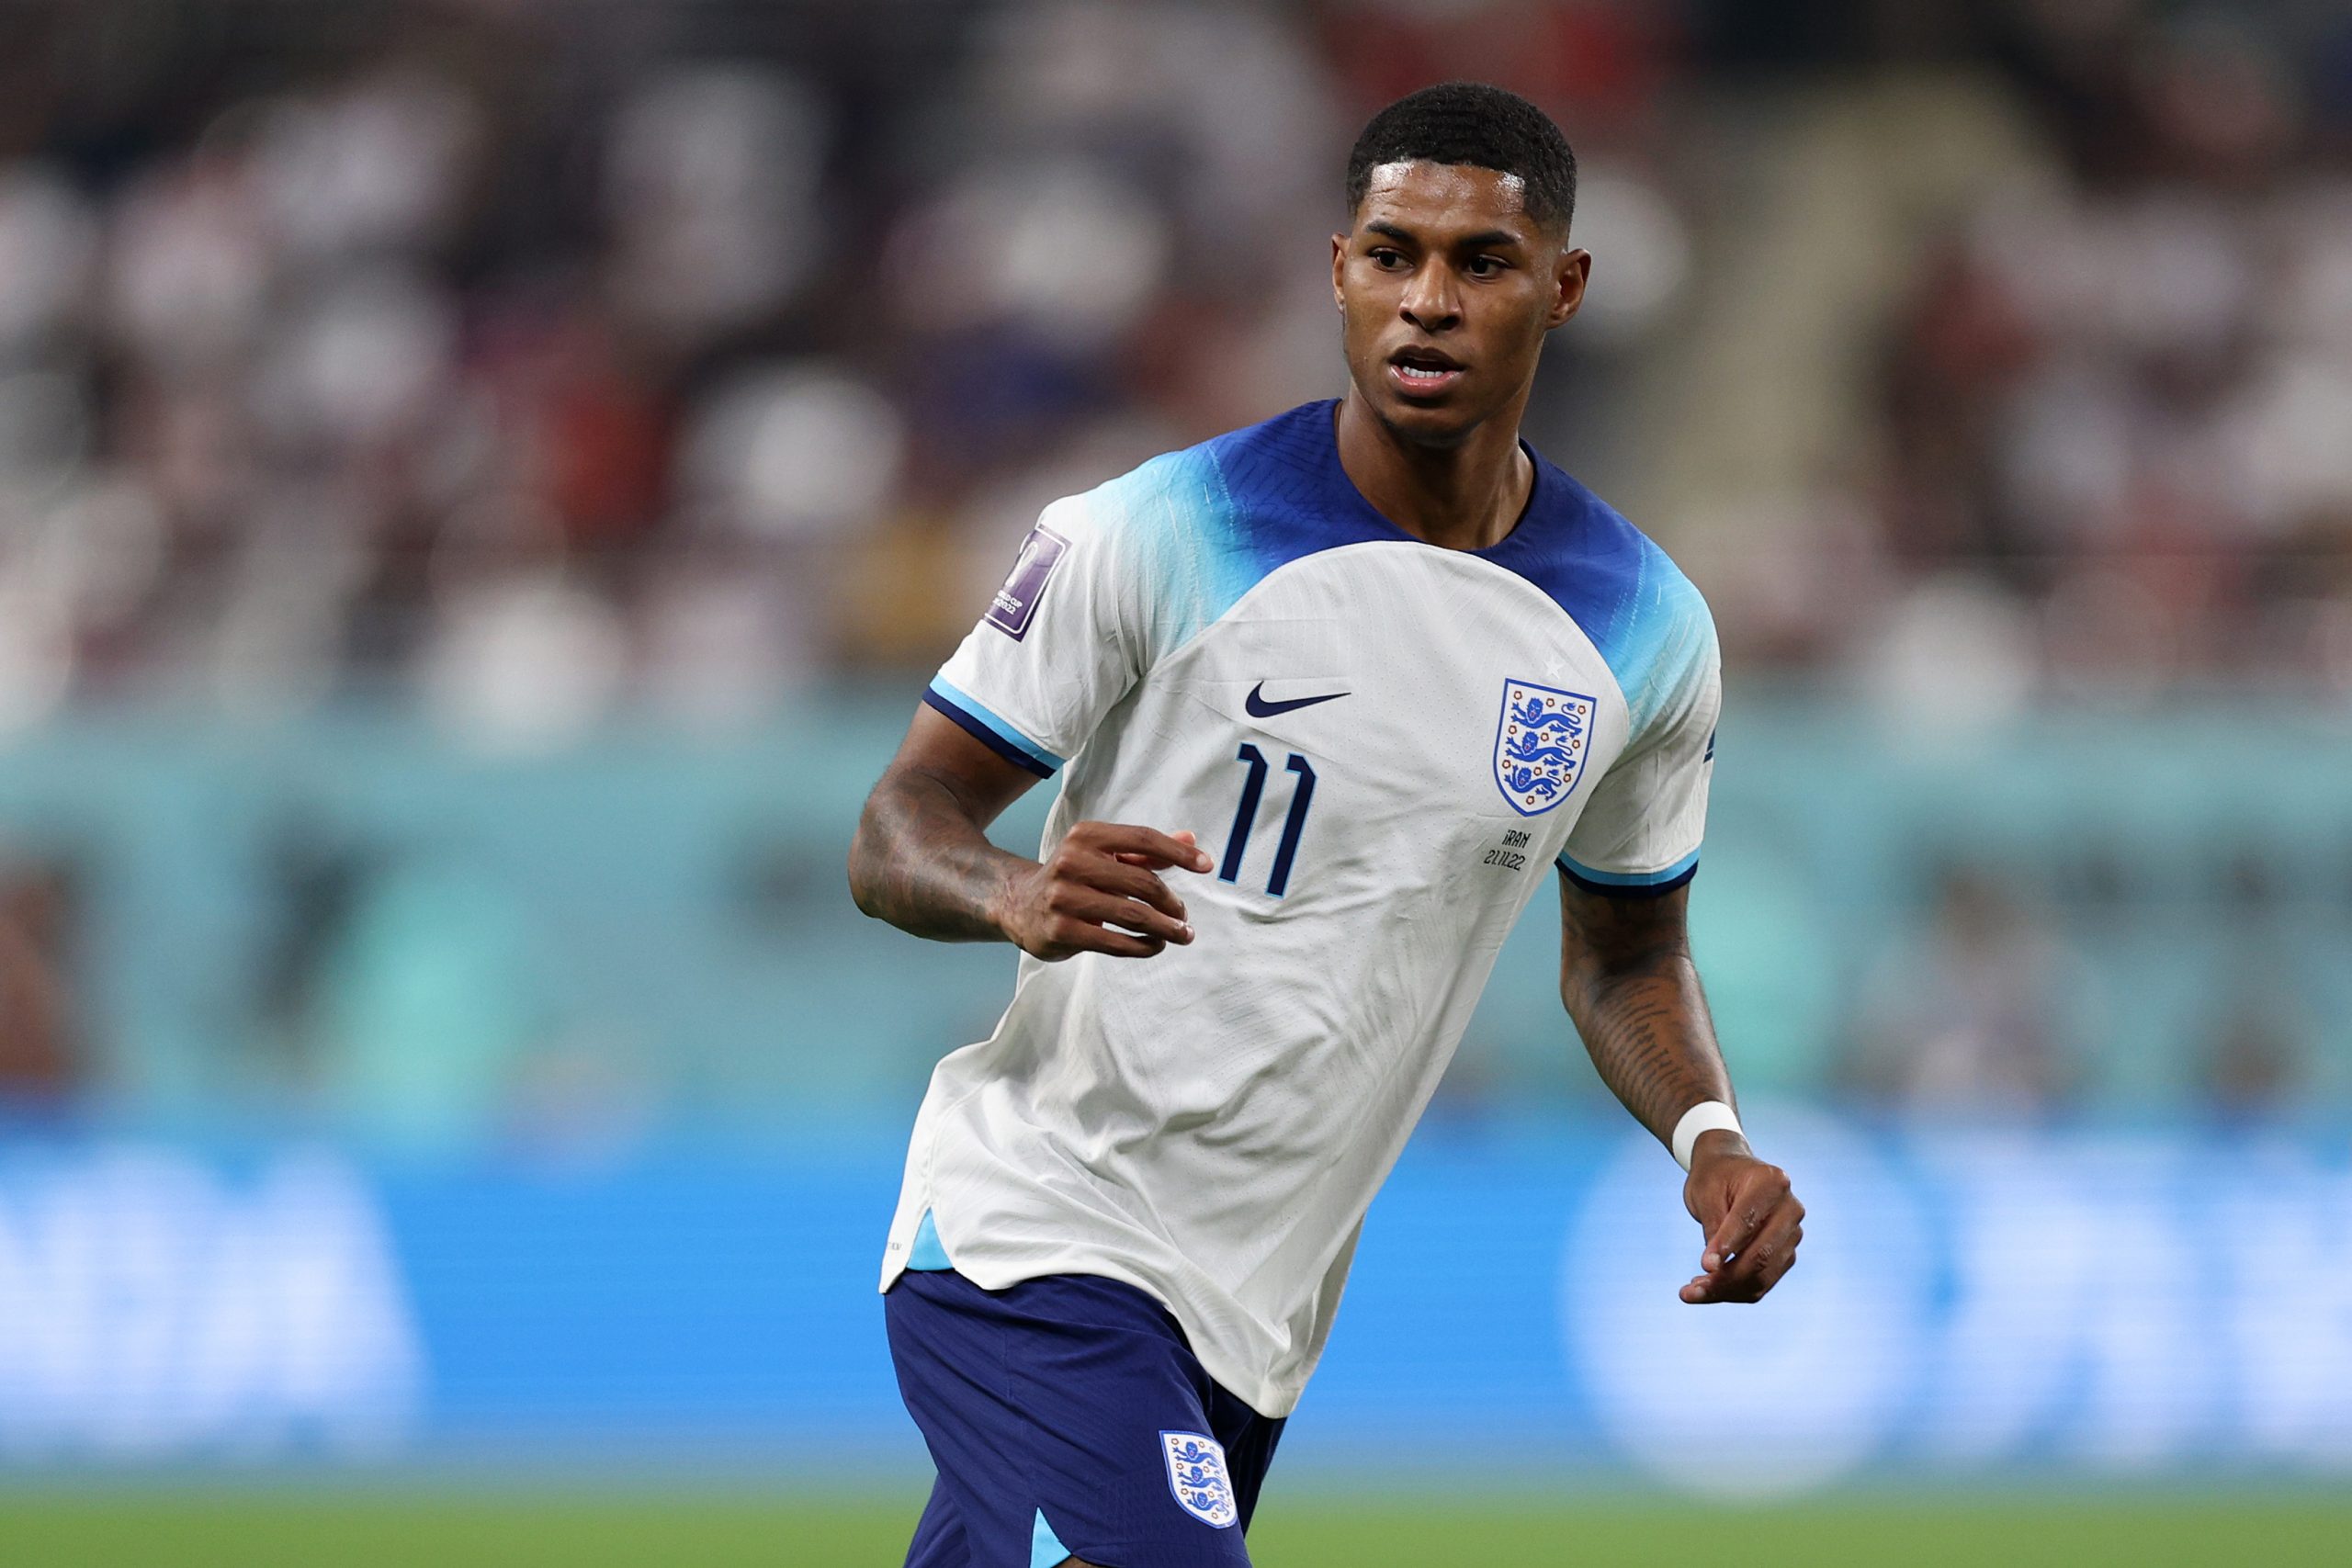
1058	645
1640	833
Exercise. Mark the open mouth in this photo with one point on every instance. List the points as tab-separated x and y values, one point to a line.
1419	372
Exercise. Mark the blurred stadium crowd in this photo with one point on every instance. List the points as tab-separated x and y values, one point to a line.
525	365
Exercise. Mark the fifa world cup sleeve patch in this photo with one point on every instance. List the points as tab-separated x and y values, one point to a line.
1196	1474
1015	604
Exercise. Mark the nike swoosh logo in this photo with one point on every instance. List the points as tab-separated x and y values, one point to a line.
1261	708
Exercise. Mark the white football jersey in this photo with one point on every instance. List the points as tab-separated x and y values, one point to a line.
1383	746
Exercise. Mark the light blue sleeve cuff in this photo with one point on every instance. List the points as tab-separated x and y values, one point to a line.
1634	883
993	731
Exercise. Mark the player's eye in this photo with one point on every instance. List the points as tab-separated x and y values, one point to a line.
1387	260
1486	266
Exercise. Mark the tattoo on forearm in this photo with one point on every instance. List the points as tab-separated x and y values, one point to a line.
921	862
1628	981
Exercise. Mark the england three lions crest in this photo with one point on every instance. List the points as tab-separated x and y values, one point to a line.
1541	743
1196	1474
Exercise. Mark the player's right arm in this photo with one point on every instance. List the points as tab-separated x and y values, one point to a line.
1062	641
922	860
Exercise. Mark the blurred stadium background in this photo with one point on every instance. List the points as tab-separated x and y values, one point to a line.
481	481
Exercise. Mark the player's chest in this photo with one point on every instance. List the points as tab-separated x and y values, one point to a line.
1448	712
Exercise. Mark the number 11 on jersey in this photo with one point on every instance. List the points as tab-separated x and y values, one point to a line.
1245	817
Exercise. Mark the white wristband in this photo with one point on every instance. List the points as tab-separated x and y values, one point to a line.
1707	1116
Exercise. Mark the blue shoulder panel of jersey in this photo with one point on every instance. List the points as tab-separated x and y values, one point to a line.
1284	477
1644	617
1212	521
1215	519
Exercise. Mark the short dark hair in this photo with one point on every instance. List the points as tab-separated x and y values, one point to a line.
1470	122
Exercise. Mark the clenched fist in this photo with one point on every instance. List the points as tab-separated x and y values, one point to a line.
1753	1222
1099	891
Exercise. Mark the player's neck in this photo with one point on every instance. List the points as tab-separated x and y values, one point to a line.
1461	498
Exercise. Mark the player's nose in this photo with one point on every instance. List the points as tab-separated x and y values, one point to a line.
1431	303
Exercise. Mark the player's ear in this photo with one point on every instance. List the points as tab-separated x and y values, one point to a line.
1575	270
1339	264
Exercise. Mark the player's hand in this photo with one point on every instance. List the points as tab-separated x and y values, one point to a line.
1753	1222
1099	891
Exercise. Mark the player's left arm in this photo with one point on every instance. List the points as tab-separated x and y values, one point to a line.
1630	986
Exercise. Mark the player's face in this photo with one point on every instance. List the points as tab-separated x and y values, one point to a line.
1447	288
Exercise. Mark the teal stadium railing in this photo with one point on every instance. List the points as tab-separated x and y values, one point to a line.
356	922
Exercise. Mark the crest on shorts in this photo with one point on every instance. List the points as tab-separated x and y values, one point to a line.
1541	743
1016	603
1196	1474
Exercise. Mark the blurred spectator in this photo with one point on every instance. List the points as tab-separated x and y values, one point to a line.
1969	1014
2257	1057
41	1027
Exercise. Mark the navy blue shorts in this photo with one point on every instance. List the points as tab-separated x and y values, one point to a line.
1068	1417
